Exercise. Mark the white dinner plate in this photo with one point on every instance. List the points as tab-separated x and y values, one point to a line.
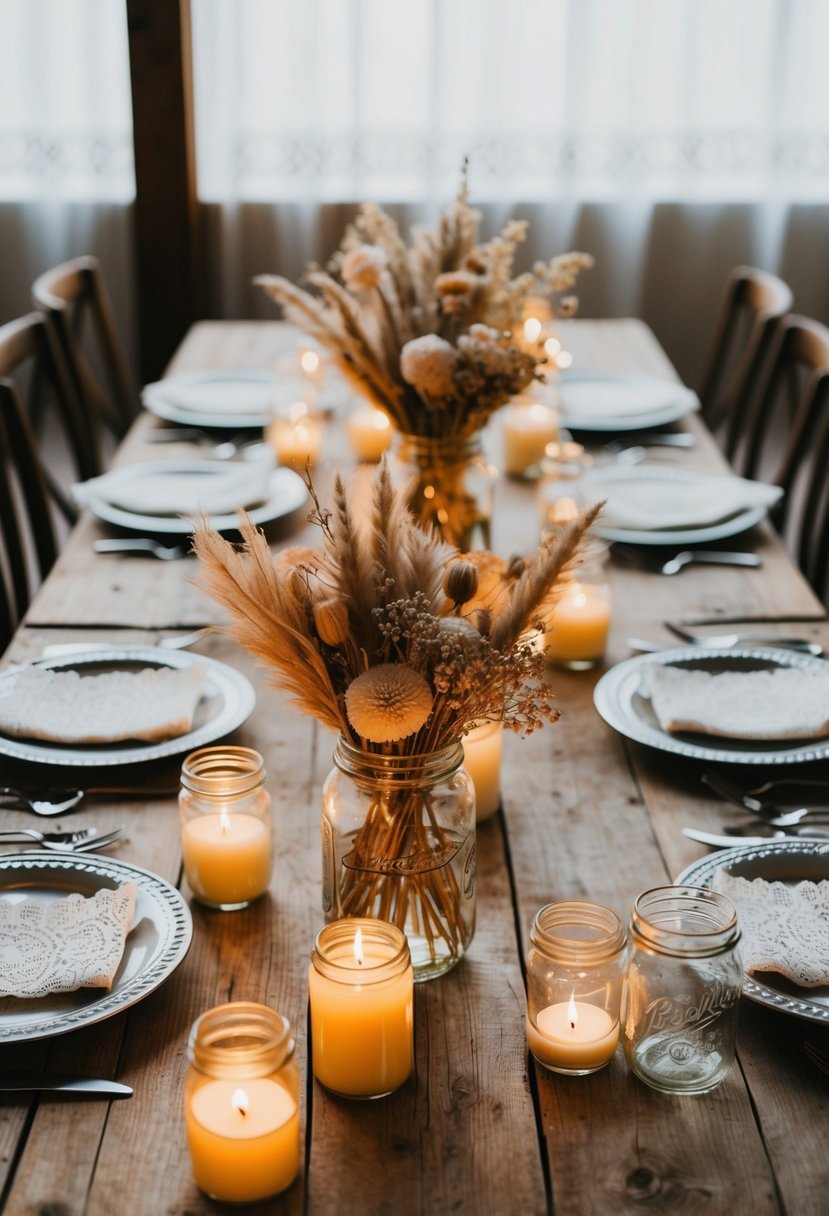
619	698
227	701
787	861
251	386
155	946
286	493
668	401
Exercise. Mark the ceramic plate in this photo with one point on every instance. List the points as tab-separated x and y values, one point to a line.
286	493
619	700
778	861
674	401
227	701
154	948
251	385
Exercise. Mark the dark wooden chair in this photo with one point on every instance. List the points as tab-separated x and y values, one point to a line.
752	303
28	544
68	295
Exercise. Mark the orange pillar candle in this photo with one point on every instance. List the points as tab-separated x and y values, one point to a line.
482	748
579	625
369	433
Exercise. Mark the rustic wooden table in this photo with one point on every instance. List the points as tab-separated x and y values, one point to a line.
478	1128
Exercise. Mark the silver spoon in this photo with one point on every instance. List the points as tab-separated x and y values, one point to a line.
59	802
709	557
142	545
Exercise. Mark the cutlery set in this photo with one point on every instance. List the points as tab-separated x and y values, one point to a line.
84	840
655	564
780	822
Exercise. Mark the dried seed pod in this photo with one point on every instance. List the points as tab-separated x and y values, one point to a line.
460	581
331	620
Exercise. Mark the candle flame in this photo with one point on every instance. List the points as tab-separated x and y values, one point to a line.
297	411
579	599
239	1100
564	359
310	362
224	822
552	346
358	946
572	1013
379	421
532	329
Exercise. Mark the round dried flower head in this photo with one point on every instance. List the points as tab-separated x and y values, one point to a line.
331	620
456	283
428	363
388	702
458	625
362	267
460	581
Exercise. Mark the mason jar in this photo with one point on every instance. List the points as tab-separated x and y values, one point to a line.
449	486
398	844
575	972
225	817
241	1103
683	990
576	639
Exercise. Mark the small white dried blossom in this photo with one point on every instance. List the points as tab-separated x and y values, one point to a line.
483	333
428	363
362	267
456	283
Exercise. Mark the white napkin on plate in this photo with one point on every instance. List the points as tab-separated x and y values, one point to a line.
785	703
181	487
219	393
66	707
65	944
650	499
614	397
785	928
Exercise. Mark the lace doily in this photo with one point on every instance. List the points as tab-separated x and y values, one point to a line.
66	944
67	707
784	928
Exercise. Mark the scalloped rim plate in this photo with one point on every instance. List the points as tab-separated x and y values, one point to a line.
777	861
155	946
227	701
619	701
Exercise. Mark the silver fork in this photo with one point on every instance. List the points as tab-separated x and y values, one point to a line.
723	641
769	811
82	841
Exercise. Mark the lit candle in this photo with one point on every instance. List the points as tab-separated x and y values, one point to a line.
369	433
227	857
311	365
482	760
295	436
243	1138
528	426
573	1036
579	626
360	988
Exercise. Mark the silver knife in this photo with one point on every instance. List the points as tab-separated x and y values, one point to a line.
62	1082
732	842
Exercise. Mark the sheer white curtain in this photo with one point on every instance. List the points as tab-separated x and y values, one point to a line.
672	138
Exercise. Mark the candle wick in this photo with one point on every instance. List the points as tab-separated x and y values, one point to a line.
572	1025
242	1112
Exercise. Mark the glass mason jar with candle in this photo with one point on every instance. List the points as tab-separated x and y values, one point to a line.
580	620
398	844
295	433
560	495
449	486
683	990
226	835
529	425
575	973
241	1103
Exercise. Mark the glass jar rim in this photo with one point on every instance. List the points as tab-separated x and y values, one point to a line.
450	449
335	942
685	920
240	1039
578	932
408	769
216	772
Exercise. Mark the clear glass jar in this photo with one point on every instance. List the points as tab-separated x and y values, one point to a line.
226	835
683	990
449	486
398	844
295	433
580	620
575	973
241	1103
560	495
362	1010
529	426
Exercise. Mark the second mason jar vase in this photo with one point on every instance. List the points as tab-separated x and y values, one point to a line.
449	487
683	989
226	837
398	844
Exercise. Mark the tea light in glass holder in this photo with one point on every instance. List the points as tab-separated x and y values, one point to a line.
482	760
241	1103
575	973
226	836
295	434
360	985
369	433
529	425
580	620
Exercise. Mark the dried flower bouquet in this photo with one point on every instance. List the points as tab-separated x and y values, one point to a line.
391	638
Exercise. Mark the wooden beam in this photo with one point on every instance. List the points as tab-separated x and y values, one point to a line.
167	217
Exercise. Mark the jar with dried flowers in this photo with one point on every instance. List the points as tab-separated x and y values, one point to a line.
401	645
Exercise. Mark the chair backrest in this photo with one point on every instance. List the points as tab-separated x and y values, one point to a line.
752	303
67	294
27	538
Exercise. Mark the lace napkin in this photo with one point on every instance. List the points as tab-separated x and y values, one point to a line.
618	397
181	488
65	944
650	499
222	393
786	703
67	707
784	928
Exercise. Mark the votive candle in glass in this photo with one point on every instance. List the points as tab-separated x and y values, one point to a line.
226	835
369	433
580	620
529	425
482	748
575	973
360	985
295	434
241	1103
